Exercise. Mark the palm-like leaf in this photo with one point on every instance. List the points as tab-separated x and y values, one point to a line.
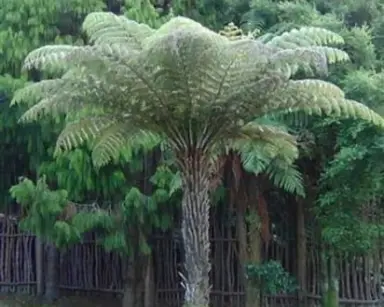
108	137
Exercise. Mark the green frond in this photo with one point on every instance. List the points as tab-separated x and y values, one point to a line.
305	37
286	176
307	58
36	91
114	139
107	28
64	96
108	144
268	139
255	131
65	57
320	97
50	55
78	132
107	137
280	170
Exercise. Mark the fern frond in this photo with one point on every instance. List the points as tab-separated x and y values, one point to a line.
280	170
50	55
270	140
66	96
286	176
36	91
107	136
114	139
106	28
320	97
305	37
256	131
78	132
318	57
65	57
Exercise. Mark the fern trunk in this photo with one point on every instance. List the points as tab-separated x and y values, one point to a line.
195	232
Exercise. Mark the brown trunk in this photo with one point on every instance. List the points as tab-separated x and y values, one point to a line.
301	251
242	237
195	231
253	293
149	284
258	228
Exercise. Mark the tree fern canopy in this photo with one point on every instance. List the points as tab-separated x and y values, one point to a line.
183	81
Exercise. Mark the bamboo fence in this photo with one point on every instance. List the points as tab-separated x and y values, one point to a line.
87	268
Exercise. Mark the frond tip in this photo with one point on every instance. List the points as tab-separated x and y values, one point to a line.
107	28
36	91
320	97
106	137
306	37
49	55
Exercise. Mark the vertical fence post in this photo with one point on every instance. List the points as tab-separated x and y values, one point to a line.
39	266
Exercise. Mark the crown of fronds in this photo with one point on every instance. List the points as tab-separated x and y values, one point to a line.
182	81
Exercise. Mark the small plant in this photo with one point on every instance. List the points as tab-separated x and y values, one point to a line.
271	278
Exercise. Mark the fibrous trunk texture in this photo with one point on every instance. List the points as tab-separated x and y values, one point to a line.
195	232
252	291
258	228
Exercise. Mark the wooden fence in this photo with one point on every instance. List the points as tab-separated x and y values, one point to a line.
87	268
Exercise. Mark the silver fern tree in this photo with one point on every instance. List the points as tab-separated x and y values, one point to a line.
199	92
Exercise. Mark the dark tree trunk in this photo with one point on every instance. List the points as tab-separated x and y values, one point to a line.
51	274
149	283
301	251
39	254
129	294
195	231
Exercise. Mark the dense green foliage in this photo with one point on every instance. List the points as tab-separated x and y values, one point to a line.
272	278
